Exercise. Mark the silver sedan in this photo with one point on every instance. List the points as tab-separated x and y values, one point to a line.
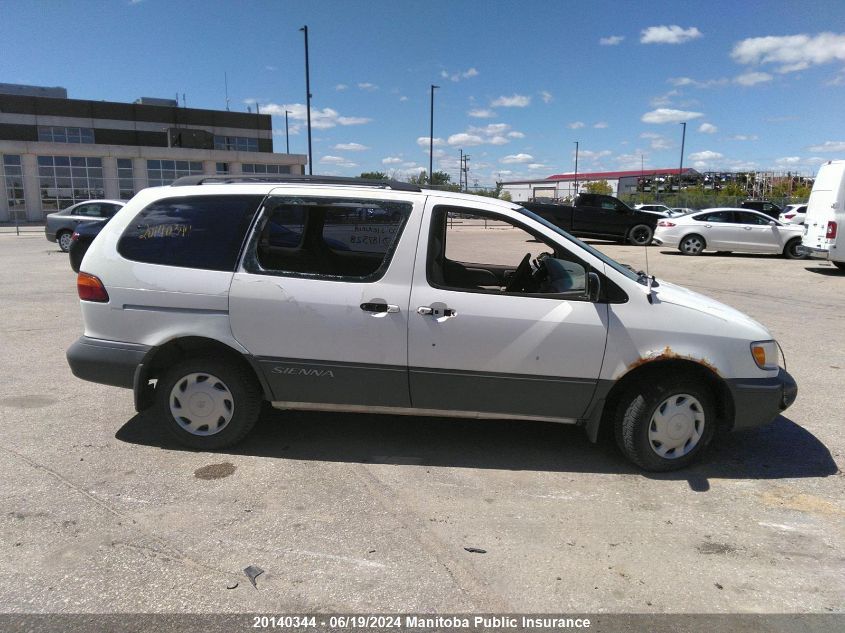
728	230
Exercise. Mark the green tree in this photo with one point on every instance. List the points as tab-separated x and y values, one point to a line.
505	195
374	175
598	186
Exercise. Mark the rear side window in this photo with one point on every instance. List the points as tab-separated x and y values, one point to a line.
721	216
332	238
191	232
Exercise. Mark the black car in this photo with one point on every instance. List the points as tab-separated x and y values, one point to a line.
599	216
763	206
81	239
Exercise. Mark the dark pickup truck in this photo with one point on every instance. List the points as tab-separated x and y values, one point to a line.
599	216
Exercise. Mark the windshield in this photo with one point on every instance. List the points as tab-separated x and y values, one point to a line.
630	274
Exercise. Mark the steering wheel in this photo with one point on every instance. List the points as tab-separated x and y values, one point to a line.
520	275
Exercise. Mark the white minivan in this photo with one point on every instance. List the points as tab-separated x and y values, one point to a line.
215	294
826	215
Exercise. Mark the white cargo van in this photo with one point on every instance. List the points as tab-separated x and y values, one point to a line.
826	214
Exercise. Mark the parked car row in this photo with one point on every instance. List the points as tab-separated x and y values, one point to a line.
61	224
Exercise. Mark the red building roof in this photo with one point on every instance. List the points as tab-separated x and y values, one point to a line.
613	175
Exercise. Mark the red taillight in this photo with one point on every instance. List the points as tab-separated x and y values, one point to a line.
74	237
831	231
90	288
666	223
789	216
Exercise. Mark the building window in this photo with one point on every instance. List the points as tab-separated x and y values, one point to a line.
13	179
60	134
164	172
125	179
222	168
66	180
250	168
236	143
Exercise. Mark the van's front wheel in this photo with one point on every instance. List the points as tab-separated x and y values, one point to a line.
665	426
207	403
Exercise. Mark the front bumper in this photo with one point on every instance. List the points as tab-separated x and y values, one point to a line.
758	401
106	362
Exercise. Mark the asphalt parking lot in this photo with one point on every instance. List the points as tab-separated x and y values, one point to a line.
101	512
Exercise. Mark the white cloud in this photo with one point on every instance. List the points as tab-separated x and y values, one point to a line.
391	160
546	96
516	158
742	137
706	155
320	119
668	115
340	161
750	79
707	128
270	68
660	143
575	125
366	85
688	81
514	101
600	125
668	34
611	40
422	141
791	53
788	160
535	166
341	87
482	113
403	98
350	147
591	155
465	139
457	76
516	134
828	146
650	135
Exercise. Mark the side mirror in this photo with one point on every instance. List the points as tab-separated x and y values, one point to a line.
593	287
772	223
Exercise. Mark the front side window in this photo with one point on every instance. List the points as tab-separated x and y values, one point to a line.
204	232
478	251
329	238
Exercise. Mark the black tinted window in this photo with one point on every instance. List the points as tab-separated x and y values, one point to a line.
721	216
332	238
743	217
193	232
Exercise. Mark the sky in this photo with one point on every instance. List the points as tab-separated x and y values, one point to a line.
760	84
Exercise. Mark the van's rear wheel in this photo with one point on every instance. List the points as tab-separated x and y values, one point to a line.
207	403
665	426
640	235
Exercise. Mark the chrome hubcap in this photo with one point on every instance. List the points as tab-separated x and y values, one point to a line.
201	404
676	426
64	241
692	245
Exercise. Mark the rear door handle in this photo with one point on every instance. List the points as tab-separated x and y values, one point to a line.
380	307
747	228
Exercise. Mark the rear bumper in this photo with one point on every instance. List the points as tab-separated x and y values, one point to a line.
49	234
758	401
106	362
816	253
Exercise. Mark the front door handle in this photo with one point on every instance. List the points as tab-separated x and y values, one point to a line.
380	307
747	228
436	312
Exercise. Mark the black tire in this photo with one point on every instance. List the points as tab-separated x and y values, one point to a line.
794	249
63	240
241	390
839	265
640	235
692	245
636	418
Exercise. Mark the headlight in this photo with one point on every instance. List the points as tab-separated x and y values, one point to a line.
765	354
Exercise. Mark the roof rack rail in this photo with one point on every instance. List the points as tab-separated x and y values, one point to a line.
187	181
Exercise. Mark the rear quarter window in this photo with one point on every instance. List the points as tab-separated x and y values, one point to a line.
203	232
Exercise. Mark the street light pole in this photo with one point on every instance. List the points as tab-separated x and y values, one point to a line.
575	189
461	171
287	133
431	136
304	29
681	167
